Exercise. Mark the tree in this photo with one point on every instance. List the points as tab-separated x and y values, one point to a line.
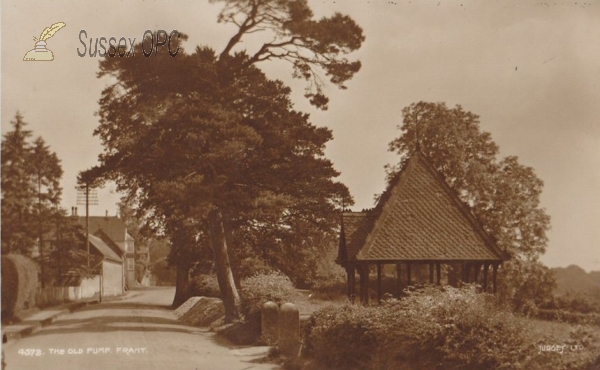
18	192
47	173
67	254
31	191
502	194
310	46
210	146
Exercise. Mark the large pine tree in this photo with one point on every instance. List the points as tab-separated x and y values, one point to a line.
212	151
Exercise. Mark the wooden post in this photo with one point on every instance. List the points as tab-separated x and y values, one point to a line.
398	279
477	267
379	283
353	285
364	284
431	273
486	267
361	284
408	280
495	277
439	278
350	271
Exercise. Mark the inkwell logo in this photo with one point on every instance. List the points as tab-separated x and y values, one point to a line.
40	53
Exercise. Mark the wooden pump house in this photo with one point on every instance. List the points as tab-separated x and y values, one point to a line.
419	222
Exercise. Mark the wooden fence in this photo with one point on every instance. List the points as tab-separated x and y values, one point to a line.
87	289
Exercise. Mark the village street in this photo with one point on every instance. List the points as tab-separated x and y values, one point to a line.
138	332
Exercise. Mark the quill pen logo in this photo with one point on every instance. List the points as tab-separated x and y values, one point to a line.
40	53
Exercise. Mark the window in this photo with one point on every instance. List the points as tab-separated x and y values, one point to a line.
130	264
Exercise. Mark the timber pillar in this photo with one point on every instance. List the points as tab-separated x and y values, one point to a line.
351	272
363	273
486	267
495	277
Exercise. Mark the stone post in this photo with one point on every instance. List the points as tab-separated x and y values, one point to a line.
289	330
269	322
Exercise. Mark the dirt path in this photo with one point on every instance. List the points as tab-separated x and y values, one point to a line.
136	333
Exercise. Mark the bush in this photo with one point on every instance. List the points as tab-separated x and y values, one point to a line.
579	302
19	284
256	290
333	287
431	328
205	286
272	286
164	273
566	316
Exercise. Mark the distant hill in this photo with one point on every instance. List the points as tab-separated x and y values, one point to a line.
574	279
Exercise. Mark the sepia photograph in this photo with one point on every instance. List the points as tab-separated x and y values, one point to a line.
300	184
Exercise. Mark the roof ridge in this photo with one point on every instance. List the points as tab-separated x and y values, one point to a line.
381	212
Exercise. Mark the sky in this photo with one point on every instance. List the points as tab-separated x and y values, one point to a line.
529	69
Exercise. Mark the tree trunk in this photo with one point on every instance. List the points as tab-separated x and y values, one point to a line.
233	260
182	283
229	293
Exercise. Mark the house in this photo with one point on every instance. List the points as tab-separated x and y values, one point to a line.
111	267
419	223
113	232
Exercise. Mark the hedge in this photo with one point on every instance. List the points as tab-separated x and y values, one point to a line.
566	316
19	284
433	328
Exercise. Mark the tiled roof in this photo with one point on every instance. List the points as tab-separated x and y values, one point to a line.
104	249
355	228
112	226
419	218
112	245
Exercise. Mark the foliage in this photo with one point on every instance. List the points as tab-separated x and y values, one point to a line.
567	316
18	191
308	45
578	301
225	142
19	284
30	188
273	286
431	328
503	194
140	270
32	220
205	286
67	248
163	272
330	287
210	147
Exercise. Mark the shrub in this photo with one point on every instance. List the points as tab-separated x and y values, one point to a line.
566	316
205	286
334	287
430	328
263	287
256	290
19	284
163	272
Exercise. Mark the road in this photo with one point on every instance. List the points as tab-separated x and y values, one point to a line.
139	332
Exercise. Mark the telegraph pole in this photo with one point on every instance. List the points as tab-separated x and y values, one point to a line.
87	196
